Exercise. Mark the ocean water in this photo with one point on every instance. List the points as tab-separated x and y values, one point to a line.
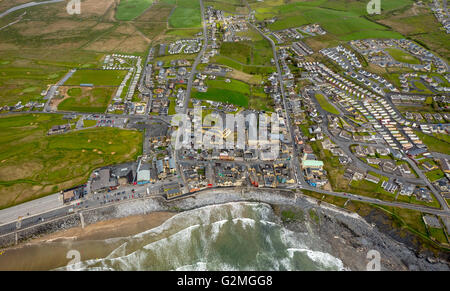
233	236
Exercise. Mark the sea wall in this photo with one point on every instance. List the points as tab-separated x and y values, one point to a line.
26	234
146	206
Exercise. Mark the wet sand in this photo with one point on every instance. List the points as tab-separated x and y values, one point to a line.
50	251
119	227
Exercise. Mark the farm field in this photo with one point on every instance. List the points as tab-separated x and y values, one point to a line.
51	42
186	15
130	9
33	164
257	53
24	78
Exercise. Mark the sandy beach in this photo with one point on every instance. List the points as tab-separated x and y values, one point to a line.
50	251
119	227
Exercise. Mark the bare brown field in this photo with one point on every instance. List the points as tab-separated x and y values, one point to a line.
8	46
106	44
319	42
125	28
34	28
14	172
125	38
244	77
96	7
102	26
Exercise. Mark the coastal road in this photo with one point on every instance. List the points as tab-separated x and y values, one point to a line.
31	208
34	212
364	199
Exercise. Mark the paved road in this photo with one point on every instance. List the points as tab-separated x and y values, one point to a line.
364	199
31	208
294	161
436	193
189	88
345	145
165	119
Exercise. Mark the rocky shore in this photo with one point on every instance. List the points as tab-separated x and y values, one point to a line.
345	235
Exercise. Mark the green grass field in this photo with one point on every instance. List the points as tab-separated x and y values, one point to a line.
89	123
97	77
434	144
438	234
434	175
33	164
91	100
187	14
235	92
402	56
130	9
247	53
172	106
326	105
